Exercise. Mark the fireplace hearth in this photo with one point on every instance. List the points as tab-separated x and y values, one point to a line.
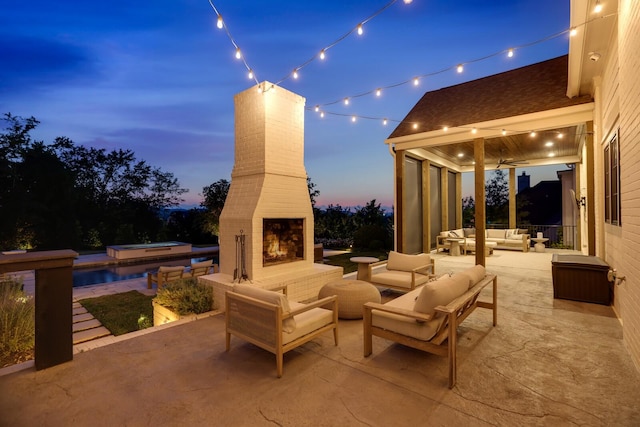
283	240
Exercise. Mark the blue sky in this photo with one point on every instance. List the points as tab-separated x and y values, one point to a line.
158	77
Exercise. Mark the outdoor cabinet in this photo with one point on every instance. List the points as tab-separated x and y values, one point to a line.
581	278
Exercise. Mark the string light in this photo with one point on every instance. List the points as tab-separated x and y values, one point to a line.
295	74
560	135
346	101
385	121
378	92
238	54
317	108
220	23
504	132
322	114
474	130
532	134
359	29
573	31
460	68
510	53
250	74
416	81
598	7
446	128
353	118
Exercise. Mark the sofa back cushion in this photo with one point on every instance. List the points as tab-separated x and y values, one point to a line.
473	274
456	233
271	297
440	292
493	233
404	262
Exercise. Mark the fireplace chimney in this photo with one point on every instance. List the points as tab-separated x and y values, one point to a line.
268	182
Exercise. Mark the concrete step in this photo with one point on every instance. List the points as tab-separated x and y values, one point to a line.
79	310
82	317
90	334
87	324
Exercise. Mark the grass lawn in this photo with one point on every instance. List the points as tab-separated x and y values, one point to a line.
119	313
342	260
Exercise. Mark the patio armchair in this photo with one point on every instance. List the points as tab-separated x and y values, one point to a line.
402	271
266	318
164	275
202	268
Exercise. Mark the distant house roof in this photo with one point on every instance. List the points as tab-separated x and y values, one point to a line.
530	89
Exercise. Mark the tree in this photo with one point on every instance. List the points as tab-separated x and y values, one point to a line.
313	192
468	211
60	195
497	191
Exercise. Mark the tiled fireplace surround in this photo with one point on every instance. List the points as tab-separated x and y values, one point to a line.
268	181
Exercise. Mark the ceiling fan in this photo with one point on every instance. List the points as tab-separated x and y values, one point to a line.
510	161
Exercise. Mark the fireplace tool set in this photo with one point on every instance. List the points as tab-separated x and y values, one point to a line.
241	259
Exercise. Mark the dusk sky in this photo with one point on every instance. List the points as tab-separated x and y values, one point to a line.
158	77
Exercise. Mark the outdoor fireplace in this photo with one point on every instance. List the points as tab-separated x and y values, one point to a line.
283	240
266	226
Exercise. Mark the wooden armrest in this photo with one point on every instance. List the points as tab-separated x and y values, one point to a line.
377	264
399	311
459	302
315	304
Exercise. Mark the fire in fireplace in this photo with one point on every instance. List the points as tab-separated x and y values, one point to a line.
283	240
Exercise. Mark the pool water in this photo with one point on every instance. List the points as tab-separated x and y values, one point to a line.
115	273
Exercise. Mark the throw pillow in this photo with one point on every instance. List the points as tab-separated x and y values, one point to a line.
474	274
440	292
276	298
453	234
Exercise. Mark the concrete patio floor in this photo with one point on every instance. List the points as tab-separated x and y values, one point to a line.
548	362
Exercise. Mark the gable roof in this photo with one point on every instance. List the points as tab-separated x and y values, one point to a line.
537	87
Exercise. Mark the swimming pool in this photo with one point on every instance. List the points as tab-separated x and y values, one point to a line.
148	250
115	273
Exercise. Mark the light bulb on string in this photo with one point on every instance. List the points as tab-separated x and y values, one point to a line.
573	32
532	134
295	74
353	119
445	128
598	7
560	135
474	130
220	23
416	81
317	108
510	53
504	132
250	74
360	29
384	121
346	101
321	114
408	1
322	54
378	92
238	53
459	68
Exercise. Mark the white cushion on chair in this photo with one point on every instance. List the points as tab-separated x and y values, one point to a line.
271	297
475	274
402	324
308	321
441	292
404	262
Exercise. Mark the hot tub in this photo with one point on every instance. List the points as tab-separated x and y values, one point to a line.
148	250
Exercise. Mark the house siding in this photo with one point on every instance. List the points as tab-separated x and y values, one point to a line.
623	243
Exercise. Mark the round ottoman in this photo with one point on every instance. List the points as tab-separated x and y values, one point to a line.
352	295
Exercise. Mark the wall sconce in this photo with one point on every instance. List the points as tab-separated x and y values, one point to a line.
580	201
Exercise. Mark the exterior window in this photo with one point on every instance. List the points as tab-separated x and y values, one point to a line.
612	181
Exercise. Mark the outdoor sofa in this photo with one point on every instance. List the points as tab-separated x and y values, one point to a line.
428	317
513	238
403	272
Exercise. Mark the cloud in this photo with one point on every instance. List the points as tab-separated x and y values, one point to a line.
31	62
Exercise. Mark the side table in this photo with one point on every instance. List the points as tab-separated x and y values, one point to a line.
539	246
363	266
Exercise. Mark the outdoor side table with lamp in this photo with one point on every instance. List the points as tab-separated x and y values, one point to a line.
539	246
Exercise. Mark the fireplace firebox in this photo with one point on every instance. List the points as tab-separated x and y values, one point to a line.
283	240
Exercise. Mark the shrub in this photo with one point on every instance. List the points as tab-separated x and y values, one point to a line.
17	323
373	237
185	296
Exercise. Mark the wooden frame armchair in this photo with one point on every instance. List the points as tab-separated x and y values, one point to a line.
164	275
402	271
266	318
203	268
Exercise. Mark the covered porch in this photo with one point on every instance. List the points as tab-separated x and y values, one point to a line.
546	362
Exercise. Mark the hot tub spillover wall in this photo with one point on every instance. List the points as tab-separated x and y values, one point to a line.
148	250
269	182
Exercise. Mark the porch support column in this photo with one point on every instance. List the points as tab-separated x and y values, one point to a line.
399	214
426	202
480	217
591	205
459	223
512	197
444	199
